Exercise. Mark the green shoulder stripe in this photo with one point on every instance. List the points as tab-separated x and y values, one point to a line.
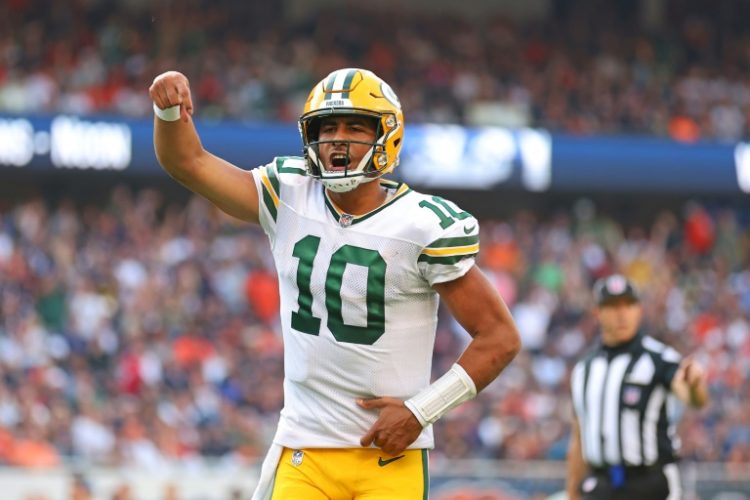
461	241
292	170
274	180
446	260
282	169
268	201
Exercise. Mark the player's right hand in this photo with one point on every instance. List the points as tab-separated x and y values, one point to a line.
396	427
170	89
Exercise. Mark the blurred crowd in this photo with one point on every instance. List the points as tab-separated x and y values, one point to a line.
145	332
676	68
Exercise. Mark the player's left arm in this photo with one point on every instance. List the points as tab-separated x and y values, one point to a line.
689	383
478	307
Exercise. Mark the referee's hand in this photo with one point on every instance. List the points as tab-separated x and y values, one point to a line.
692	373
690	383
396	427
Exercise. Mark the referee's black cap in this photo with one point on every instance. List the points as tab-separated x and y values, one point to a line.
615	286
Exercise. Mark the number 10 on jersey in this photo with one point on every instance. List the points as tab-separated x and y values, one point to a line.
306	250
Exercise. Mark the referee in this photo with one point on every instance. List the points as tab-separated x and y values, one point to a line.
623	443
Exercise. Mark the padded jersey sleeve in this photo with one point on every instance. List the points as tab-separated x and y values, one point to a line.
453	245
270	181
269	193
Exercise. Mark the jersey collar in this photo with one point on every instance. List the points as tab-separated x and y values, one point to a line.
401	190
625	346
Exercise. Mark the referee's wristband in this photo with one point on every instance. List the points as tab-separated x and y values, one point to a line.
447	392
170	114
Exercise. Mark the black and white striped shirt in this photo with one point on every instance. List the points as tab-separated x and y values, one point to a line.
622	399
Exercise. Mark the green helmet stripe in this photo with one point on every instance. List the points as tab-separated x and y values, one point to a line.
328	87
348	83
339	81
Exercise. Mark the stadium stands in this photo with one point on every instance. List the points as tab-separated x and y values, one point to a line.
580	70
142	333
140	330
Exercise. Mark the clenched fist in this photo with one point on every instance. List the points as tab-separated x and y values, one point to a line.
692	373
690	383
171	89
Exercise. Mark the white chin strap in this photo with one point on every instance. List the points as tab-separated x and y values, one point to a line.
336	182
344	184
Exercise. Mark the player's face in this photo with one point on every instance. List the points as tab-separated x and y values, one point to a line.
338	156
619	319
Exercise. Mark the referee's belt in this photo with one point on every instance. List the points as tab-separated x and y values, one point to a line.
619	474
630	470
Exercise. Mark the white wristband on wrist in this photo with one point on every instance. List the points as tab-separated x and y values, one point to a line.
170	114
447	392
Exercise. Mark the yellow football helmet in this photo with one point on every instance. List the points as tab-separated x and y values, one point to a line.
353	91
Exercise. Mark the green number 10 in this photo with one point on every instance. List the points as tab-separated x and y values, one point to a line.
303	320
448	219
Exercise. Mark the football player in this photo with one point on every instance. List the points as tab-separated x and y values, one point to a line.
361	262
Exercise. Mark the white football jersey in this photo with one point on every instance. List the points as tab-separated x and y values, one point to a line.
358	313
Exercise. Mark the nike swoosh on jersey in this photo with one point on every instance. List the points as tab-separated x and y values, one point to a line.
383	463
467	230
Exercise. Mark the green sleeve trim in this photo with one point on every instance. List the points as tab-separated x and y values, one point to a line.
460	241
446	261
292	170
268	200
274	181
280	168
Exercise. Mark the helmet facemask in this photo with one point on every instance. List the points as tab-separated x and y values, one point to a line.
371	166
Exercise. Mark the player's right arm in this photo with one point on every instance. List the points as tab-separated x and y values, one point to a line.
576	465
181	154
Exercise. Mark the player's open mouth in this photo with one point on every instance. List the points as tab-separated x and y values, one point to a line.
338	162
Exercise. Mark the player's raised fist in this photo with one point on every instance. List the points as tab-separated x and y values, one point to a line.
172	88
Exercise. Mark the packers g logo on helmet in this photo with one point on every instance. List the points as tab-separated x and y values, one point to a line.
353	91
